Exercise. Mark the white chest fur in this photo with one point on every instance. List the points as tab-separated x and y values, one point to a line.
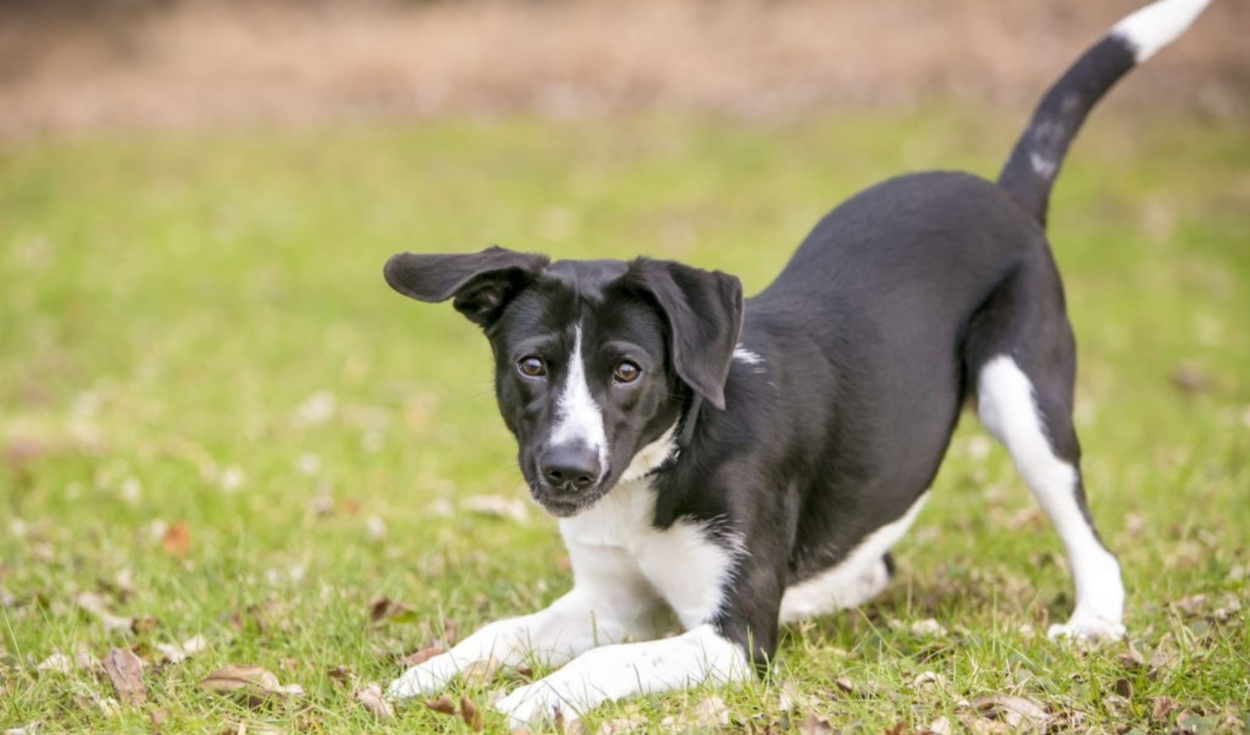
615	543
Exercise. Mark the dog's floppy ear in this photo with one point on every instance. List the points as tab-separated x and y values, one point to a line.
481	283
704	312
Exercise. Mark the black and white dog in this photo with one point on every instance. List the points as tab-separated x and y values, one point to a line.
748	464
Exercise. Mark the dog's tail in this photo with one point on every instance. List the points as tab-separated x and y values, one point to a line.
1034	164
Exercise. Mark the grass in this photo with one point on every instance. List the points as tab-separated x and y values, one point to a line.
205	384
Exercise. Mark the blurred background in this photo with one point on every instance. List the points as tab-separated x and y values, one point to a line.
75	64
217	421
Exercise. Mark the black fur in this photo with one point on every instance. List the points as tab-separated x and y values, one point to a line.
869	342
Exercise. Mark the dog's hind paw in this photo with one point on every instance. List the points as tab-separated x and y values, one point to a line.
1087	629
534	704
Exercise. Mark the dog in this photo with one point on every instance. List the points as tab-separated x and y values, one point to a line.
749	463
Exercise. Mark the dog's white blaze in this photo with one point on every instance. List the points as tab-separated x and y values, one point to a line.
1009	412
1157	25
742	354
857	579
612	673
682	563
579	418
651	456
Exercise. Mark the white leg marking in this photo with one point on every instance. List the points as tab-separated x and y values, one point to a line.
579	418
1009	412
573	624
617	672
857	579
1157	25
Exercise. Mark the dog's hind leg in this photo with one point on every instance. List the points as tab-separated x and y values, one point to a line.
1022	359
858	578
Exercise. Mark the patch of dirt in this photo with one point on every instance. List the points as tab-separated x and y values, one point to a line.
67	64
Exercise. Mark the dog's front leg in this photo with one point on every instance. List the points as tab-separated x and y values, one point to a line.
613	673
572	624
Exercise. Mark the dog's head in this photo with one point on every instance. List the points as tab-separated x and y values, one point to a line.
594	360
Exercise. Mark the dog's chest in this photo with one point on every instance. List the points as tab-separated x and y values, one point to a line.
616	544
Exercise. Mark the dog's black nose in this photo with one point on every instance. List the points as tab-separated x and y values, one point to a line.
570	467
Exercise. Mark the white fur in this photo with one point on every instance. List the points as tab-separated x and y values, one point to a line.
1009	412
617	672
742	354
651	456
858	578
1157	25
681	563
579	418
1042	165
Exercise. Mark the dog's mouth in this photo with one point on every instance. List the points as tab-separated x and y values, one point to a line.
565	504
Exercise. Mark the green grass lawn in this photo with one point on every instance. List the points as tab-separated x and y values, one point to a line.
219	420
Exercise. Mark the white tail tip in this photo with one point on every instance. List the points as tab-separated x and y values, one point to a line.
1157	25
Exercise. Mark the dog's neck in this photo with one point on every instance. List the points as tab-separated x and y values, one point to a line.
652	456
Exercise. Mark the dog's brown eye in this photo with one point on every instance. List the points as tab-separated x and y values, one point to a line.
626	372
532	367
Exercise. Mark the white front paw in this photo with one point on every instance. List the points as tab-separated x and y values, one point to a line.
1088	628
532	705
424	678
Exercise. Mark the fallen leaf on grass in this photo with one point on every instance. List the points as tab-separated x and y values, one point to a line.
419	657
927	627
176	540
175	653
1190	377
125	671
255	682
1016	712
384	609
497	506
443	705
941	726
1160	707
470	715
621	725
372	699
58	663
814	725
29	729
97	606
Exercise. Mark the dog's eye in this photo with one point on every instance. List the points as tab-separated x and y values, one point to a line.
626	372
532	367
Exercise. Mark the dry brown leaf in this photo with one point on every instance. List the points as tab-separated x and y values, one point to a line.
177	539
1124	688
1190	377
497	506
982	726
470	715
176	653
814	725
621	725
1016	712
57	663
443	705
125	671
711	712
97	606
371	698
384	608
254	682
419	657
1160	707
